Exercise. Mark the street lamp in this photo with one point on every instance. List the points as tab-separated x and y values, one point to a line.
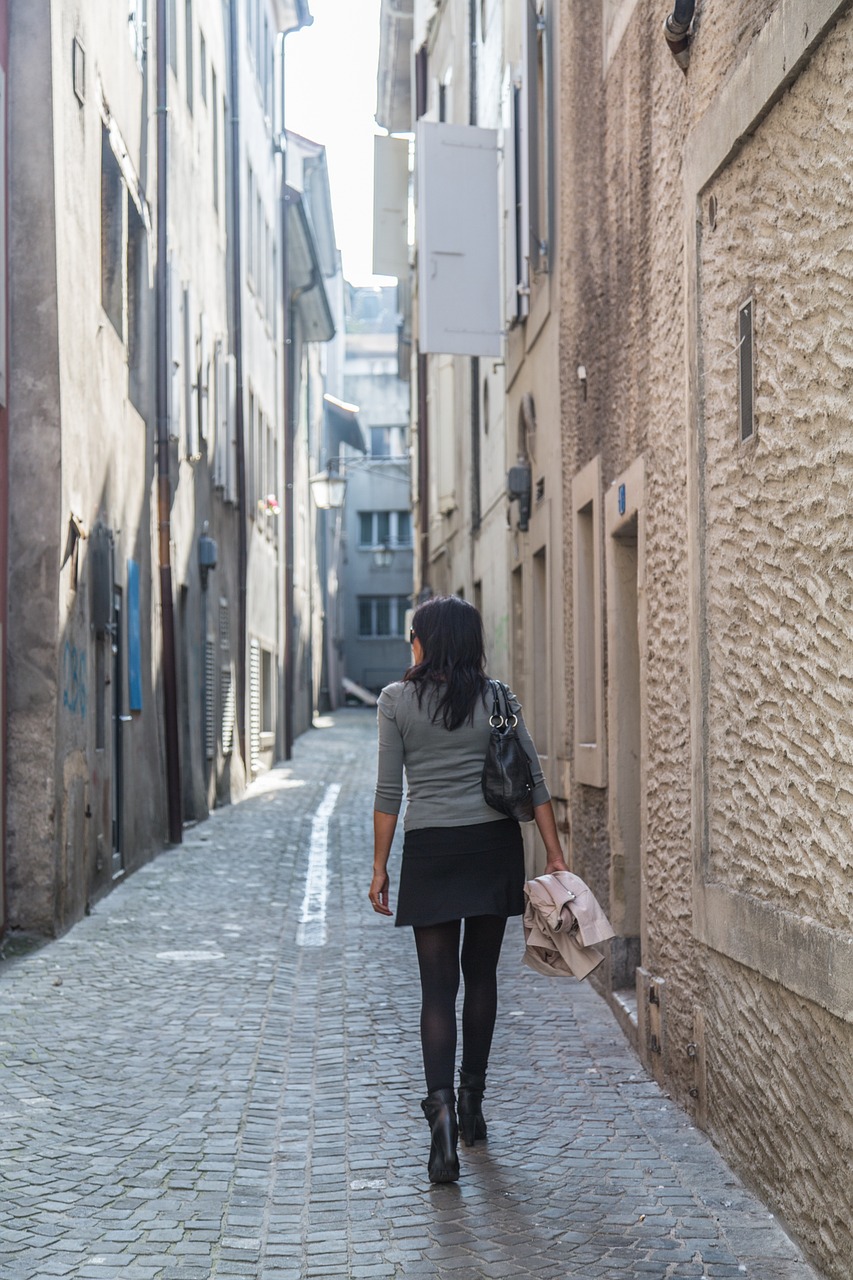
382	556
328	489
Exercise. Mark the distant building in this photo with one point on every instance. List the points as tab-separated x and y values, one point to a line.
377	544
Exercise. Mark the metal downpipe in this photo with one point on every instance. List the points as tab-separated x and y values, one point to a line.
676	30
164	492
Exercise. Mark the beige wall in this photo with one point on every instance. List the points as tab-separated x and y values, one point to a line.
740	601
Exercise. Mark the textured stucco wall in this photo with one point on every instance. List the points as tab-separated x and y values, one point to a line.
779	610
780	796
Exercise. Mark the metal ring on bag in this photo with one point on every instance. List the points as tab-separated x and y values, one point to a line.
512	721
495	722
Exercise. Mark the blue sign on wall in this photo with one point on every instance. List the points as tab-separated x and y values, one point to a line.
134	638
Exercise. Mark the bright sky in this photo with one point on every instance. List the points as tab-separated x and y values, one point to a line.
331	98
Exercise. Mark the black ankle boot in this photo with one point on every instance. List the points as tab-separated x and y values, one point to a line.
439	1109
471	1089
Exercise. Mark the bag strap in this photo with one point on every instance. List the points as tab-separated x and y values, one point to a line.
507	720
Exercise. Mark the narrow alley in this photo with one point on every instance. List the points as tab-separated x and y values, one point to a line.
217	1073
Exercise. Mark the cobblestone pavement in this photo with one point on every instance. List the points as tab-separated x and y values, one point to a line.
187	1093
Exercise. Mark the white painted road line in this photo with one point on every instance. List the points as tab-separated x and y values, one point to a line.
312	920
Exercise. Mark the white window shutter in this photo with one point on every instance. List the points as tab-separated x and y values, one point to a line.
191	378
231	429
391	206
176	351
509	178
204	377
459	274
527	149
220	447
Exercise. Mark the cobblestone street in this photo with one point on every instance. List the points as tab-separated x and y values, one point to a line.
192	1087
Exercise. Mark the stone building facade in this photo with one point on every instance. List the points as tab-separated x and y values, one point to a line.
699	617
148	431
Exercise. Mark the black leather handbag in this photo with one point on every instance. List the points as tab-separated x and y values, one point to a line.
507	779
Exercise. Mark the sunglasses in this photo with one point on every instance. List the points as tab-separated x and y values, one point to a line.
412	636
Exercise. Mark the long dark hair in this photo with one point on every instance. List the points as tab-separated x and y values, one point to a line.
451	634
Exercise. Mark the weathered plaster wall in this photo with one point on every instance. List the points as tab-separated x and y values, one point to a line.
34	461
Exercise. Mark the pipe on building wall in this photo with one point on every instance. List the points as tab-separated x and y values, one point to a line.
164	495
676	30
237	265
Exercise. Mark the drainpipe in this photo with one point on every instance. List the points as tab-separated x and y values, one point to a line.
676	30
164	495
237	264
304	19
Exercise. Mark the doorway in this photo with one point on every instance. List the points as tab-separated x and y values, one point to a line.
119	720
624	520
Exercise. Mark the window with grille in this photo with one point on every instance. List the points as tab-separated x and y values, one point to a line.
746	364
382	616
384	528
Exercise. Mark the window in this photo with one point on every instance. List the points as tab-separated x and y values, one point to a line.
137	293
267	692
746	381
173	35
250	225
202	66
265	72
112	235
382	616
251	487
588	628
384	528
215	141
388	442
135	30
188	50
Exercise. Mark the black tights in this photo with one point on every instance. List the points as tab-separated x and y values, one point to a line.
438	959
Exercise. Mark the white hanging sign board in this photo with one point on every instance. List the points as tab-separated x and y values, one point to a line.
459	275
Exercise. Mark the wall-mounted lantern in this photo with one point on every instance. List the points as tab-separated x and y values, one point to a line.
383	556
329	490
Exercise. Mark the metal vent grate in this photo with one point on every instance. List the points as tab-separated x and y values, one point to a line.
210	697
746	366
224	625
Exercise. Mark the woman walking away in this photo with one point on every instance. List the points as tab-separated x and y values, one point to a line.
461	859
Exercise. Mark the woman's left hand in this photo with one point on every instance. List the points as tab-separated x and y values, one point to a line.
378	894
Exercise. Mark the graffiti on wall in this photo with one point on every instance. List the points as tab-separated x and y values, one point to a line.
74	691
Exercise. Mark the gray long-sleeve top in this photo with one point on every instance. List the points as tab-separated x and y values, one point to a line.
443	766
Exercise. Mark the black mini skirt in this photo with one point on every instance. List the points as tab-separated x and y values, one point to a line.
449	873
